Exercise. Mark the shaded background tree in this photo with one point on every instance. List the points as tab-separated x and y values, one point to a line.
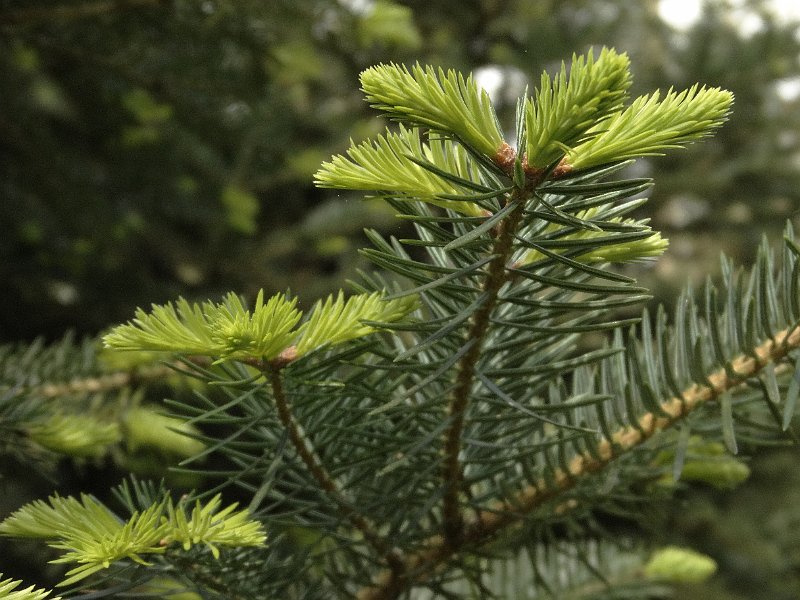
155	148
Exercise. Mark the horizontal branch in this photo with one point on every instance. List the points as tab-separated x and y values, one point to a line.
102	383
324	479
420	566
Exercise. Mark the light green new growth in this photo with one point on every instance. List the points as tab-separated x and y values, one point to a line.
652	246
645	242
649	126
387	164
148	428
681	565
7	587
239	334
337	321
229	331
446	102
39	519
564	109
212	527
182	327
108	539
705	461
93	537
78	435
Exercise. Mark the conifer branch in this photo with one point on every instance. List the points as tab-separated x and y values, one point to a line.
419	566
103	383
496	277
229	331
489	367
94	537
318	471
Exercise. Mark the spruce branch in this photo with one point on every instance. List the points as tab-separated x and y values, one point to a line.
91	392
103	383
94	537
444	101
69	369
670	412
483	417
496	277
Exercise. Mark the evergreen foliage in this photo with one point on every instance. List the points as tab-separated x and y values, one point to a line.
459	427
8	587
565	109
651	124
94	537
445	102
228	330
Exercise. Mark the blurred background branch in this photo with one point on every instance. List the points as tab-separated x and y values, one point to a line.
76	11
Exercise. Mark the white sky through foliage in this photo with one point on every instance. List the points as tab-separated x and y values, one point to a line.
683	14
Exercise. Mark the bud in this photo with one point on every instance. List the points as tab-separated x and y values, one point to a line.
706	462
80	436
649	247
145	427
725	473
679	565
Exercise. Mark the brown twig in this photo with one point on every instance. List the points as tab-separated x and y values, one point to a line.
318	471
497	276
456	410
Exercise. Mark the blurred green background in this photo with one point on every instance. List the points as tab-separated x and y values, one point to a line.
156	148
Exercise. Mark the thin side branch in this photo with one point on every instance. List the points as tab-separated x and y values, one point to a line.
420	566
309	457
103	383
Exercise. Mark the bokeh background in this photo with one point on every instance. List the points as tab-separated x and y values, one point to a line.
156	148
